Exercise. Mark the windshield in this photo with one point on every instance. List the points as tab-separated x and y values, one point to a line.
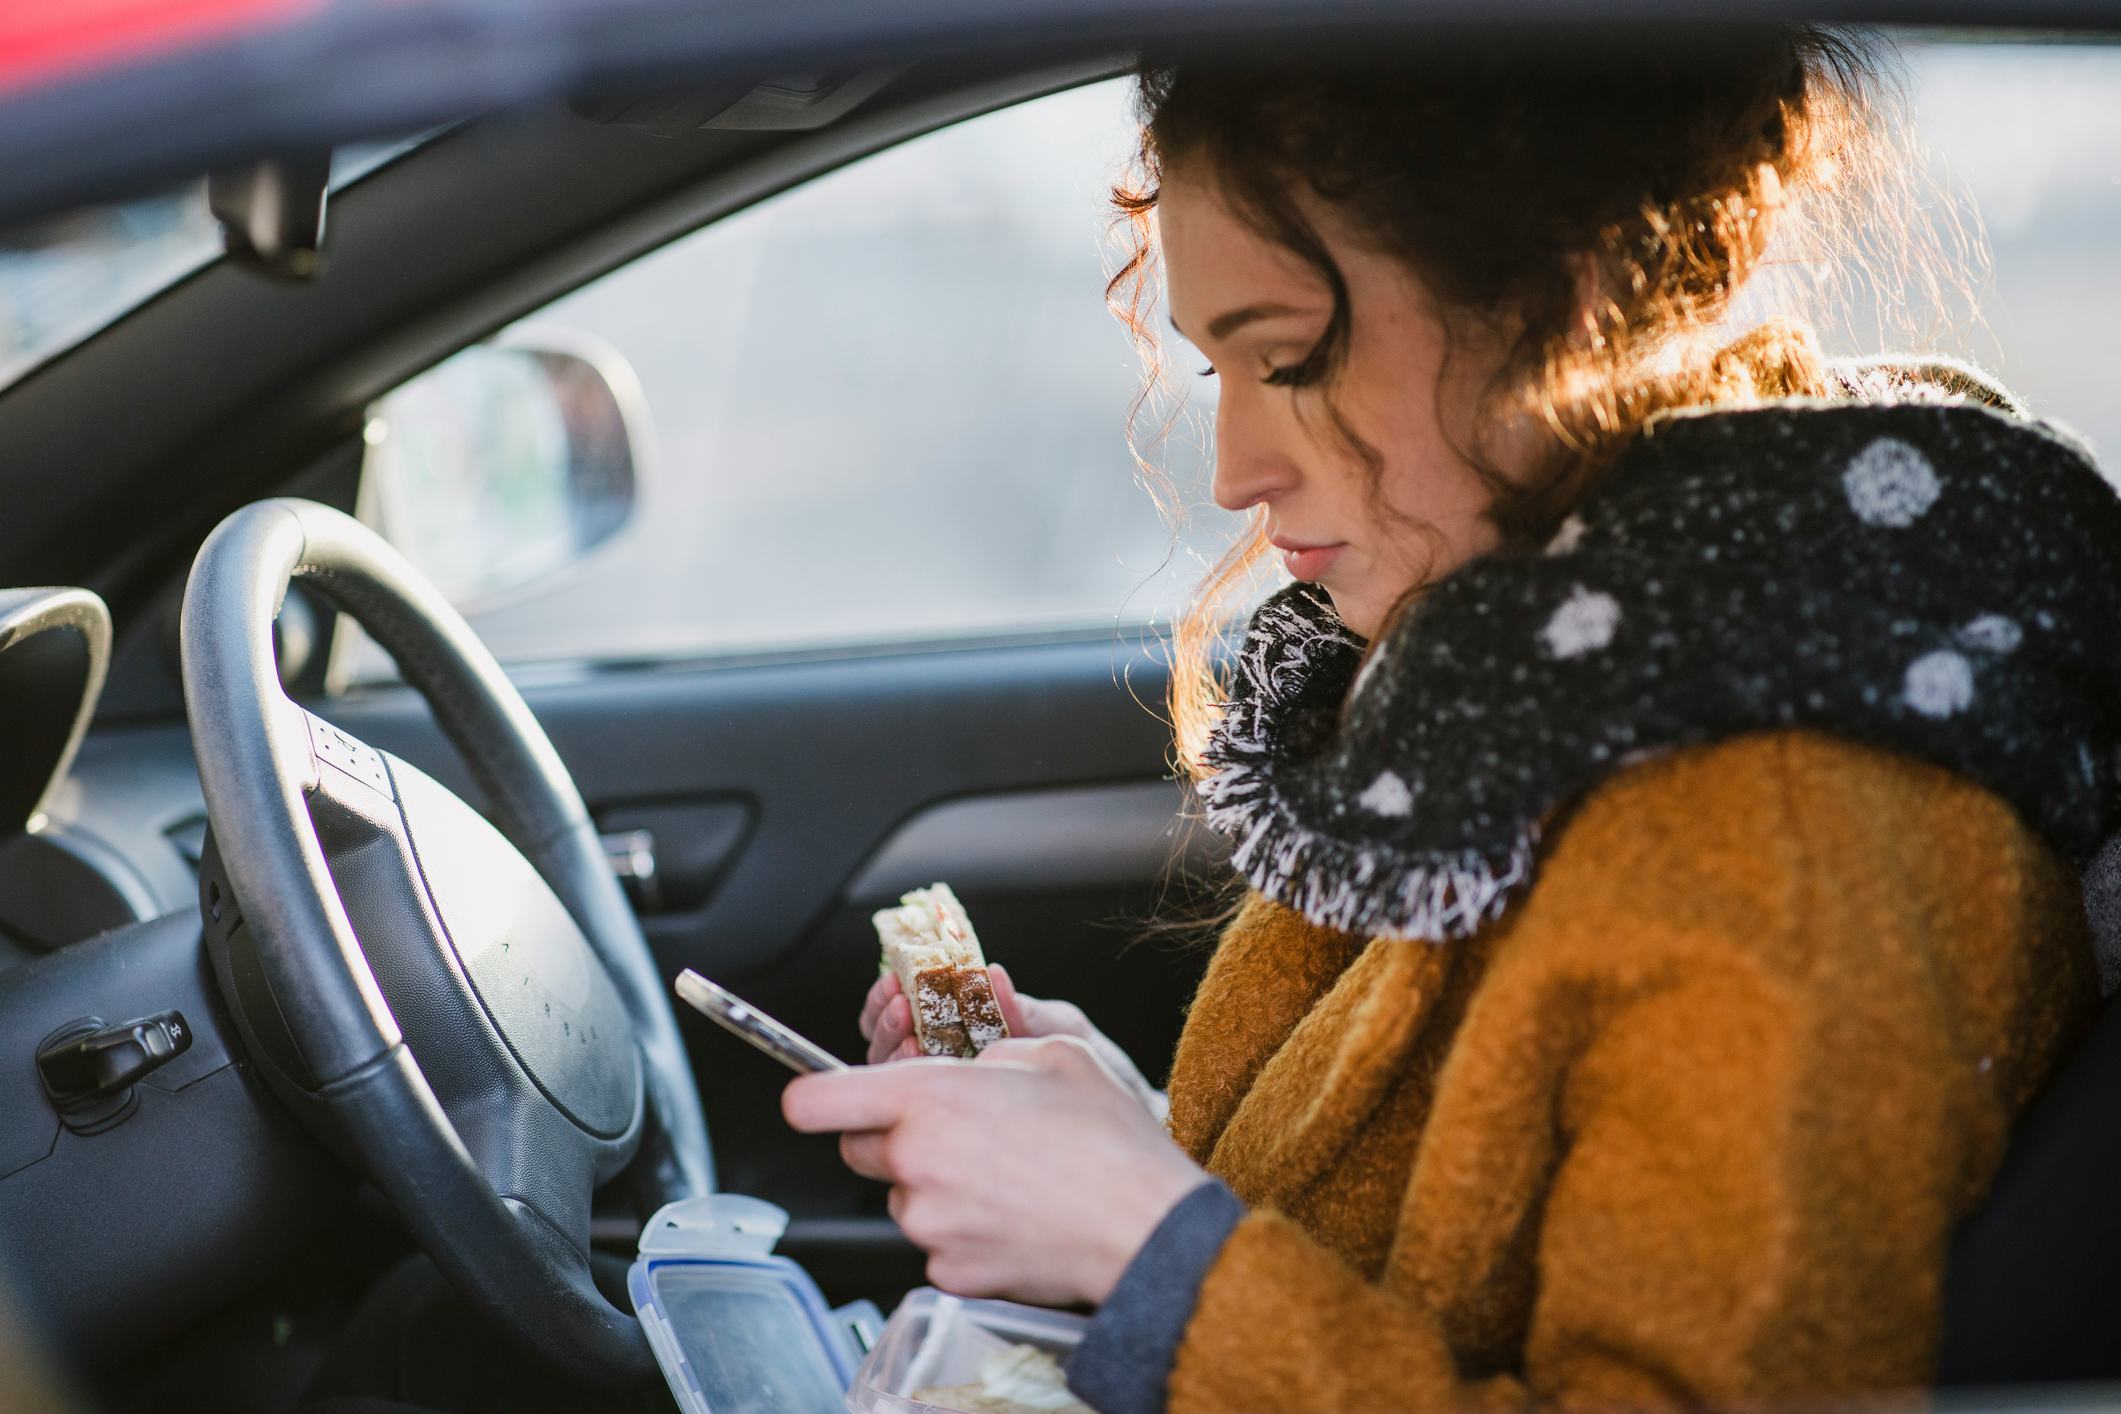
66	279
62	282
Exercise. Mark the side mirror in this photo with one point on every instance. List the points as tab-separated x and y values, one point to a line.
506	462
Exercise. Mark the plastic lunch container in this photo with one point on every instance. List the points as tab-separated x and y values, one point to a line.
937	1339
736	1329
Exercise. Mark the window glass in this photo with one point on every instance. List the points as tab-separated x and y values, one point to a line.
2030	134
889	405
65	279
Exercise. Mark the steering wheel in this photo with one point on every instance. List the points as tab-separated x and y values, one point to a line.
471	1014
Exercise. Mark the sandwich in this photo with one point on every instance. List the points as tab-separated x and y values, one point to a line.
1020	1379
930	947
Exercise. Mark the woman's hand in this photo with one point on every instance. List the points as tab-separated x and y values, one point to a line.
887	1021
1029	1173
886	1024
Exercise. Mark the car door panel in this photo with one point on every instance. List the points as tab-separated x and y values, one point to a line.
1023	840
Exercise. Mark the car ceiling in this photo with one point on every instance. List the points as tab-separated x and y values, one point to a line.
331	73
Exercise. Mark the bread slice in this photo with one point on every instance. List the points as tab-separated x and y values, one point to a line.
930	947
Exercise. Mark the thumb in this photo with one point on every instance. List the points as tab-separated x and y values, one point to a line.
1014	1013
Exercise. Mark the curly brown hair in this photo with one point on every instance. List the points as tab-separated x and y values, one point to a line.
1600	201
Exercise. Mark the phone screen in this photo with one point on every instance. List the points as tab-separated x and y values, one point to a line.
740	1018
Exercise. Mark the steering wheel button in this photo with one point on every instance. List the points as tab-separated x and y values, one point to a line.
351	755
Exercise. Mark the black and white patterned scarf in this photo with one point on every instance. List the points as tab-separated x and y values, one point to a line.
1938	579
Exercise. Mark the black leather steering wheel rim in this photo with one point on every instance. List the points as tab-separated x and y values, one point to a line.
255	772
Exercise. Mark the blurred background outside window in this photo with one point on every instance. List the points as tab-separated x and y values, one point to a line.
886	406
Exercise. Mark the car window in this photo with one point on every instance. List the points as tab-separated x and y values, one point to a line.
2030	135
888	405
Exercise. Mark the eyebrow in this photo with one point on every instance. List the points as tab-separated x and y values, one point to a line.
1222	326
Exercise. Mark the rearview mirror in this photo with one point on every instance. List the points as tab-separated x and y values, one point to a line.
506	462
272	212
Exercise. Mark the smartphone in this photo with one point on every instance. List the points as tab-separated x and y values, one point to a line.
735	1015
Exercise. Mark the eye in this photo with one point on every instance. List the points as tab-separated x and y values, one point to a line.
1301	374
1208	372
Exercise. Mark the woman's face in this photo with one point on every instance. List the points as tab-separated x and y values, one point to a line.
1253	307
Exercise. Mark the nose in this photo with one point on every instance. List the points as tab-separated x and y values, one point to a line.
1249	468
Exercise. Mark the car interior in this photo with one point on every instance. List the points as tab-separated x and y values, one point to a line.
680	678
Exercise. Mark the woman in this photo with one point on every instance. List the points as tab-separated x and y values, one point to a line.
1661	789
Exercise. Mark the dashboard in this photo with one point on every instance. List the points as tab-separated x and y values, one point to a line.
118	841
144	1167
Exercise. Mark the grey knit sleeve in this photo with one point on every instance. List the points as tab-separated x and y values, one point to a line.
1125	1358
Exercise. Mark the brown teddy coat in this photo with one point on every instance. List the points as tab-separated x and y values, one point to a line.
1691	1125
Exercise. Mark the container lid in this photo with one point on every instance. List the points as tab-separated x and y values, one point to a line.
736	1329
727	1225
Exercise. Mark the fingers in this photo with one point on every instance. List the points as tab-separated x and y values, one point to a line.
1009	1000
869	1097
879	997
891	1033
868	1153
1020	1050
1049	1053
1036	1016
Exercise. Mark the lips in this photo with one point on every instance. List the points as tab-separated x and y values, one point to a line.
1309	562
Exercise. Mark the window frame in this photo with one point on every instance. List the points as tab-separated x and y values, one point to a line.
733	193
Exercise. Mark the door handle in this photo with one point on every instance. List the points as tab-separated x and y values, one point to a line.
669	854
631	854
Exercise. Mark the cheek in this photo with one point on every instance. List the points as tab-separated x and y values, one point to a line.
1401	396
1426	474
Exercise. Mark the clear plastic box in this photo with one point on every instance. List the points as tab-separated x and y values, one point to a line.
736	1329
937	1339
